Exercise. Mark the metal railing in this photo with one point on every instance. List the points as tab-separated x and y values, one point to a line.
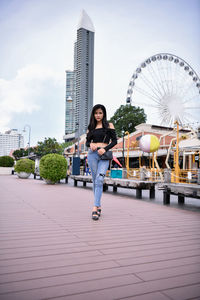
133	174
188	176
150	174
154	175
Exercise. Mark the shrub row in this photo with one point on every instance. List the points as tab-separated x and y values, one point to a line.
52	167
6	161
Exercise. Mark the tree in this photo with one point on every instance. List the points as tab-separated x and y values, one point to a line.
21	153
48	146
18	153
127	117
66	144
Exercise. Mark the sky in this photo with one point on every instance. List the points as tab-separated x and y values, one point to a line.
37	43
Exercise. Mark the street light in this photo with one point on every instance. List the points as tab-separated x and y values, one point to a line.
123	163
29	137
76	160
77	126
128	143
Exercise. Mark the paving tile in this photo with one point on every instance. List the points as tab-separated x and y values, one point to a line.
64	279
51	250
89	275
158	257
39	260
32	242
62	270
169	272
155	248
164	264
150	236
73	288
40	248
32	236
82	247
59	254
149	296
184	293
46	251
75	259
137	289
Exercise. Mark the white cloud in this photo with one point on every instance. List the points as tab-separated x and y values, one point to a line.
43	33
22	93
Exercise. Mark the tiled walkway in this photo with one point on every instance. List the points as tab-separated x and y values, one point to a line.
50	248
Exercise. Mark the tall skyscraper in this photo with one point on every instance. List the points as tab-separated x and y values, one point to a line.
84	68
79	83
70	102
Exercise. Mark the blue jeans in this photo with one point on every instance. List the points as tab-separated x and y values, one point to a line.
98	168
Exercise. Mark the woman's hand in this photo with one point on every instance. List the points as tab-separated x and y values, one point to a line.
101	151
93	147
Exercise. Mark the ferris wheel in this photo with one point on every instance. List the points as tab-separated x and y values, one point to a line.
168	89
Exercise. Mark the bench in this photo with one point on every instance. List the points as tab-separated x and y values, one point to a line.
138	185
181	190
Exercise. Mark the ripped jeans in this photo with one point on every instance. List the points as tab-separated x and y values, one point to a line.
98	169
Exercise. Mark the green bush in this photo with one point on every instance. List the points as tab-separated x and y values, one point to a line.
53	167
6	161
25	165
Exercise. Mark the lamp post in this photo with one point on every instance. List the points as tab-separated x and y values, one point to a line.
78	153
76	160
123	148
128	144
29	137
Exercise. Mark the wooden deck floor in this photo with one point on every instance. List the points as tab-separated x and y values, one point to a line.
50	248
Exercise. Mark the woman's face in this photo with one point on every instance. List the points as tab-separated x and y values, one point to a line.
98	114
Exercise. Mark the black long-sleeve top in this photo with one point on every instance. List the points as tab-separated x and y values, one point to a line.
102	135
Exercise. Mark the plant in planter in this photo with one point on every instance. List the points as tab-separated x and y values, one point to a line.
53	167
24	167
6	165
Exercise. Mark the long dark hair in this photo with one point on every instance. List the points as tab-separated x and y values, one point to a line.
93	123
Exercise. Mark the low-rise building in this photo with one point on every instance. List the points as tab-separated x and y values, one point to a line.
10	140
164	134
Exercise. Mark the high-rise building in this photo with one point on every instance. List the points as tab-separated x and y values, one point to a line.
70	102
79	83
10	140
84	68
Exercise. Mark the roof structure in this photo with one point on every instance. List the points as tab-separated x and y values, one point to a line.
192	144
85	22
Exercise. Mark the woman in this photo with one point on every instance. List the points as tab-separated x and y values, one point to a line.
99	135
